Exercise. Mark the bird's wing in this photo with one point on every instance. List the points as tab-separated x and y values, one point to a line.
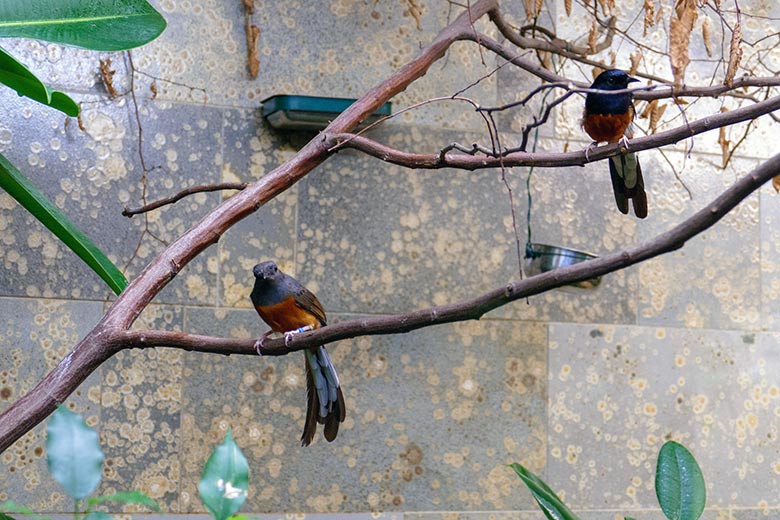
306	300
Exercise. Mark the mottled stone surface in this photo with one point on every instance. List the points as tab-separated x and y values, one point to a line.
617	393
426	425
36	334
582	386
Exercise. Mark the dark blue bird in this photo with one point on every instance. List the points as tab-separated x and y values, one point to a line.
608	118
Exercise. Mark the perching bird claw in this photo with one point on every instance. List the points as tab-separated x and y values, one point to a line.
589	149
259	342
624	144
288	336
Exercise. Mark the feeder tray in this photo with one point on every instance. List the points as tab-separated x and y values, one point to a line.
309	112
540	258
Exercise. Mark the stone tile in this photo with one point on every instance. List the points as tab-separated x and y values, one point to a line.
697	286
391	239
403	394
141	405
179	152
36	334
617	393
301	54
85	175
574	208
400	240
250	152
770	266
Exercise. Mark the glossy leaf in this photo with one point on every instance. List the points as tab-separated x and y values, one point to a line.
10	507
98	515
679	483
225	480
17	186
15	75
73	453
104	25
126	497
550	504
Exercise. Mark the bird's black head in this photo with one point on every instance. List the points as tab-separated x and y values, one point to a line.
612	79
265	271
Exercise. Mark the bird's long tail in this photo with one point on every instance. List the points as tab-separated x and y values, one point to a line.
627	183
325	403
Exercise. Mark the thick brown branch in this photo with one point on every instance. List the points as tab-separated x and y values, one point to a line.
98	346
470	162
475	308
127	212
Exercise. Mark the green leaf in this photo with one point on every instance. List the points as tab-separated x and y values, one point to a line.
17	186
679	483
225	480
98	515
73	453
103	25
126	497
25	83
552	506
4	516
11	507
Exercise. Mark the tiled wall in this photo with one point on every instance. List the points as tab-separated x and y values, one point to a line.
580	386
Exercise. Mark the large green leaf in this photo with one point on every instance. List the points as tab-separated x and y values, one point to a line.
679	483
225	480
12	181
98	515
550	504
25	83
73	453
10	507
104	25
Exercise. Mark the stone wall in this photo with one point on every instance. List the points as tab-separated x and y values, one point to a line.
581	386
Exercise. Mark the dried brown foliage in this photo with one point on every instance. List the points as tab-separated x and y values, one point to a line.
683	19
735	54
649	21
706	35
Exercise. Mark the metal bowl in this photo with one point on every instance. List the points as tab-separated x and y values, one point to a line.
540	258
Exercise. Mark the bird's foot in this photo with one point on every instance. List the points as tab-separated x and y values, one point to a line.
624	143
589	149
259	342
290	333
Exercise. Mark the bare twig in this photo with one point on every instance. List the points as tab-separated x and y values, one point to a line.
127	212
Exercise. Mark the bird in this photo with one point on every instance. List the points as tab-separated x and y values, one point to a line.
288	308
607	118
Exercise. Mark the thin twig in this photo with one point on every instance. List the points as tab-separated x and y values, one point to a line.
127	212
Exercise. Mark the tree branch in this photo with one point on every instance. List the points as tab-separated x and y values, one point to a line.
577	158
100	343
475	308
128	212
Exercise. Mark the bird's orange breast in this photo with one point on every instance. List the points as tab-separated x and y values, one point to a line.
286	316
608	128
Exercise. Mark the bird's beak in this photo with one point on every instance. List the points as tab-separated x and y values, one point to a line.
631	80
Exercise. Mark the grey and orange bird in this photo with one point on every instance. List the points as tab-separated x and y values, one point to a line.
289	307
607	118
